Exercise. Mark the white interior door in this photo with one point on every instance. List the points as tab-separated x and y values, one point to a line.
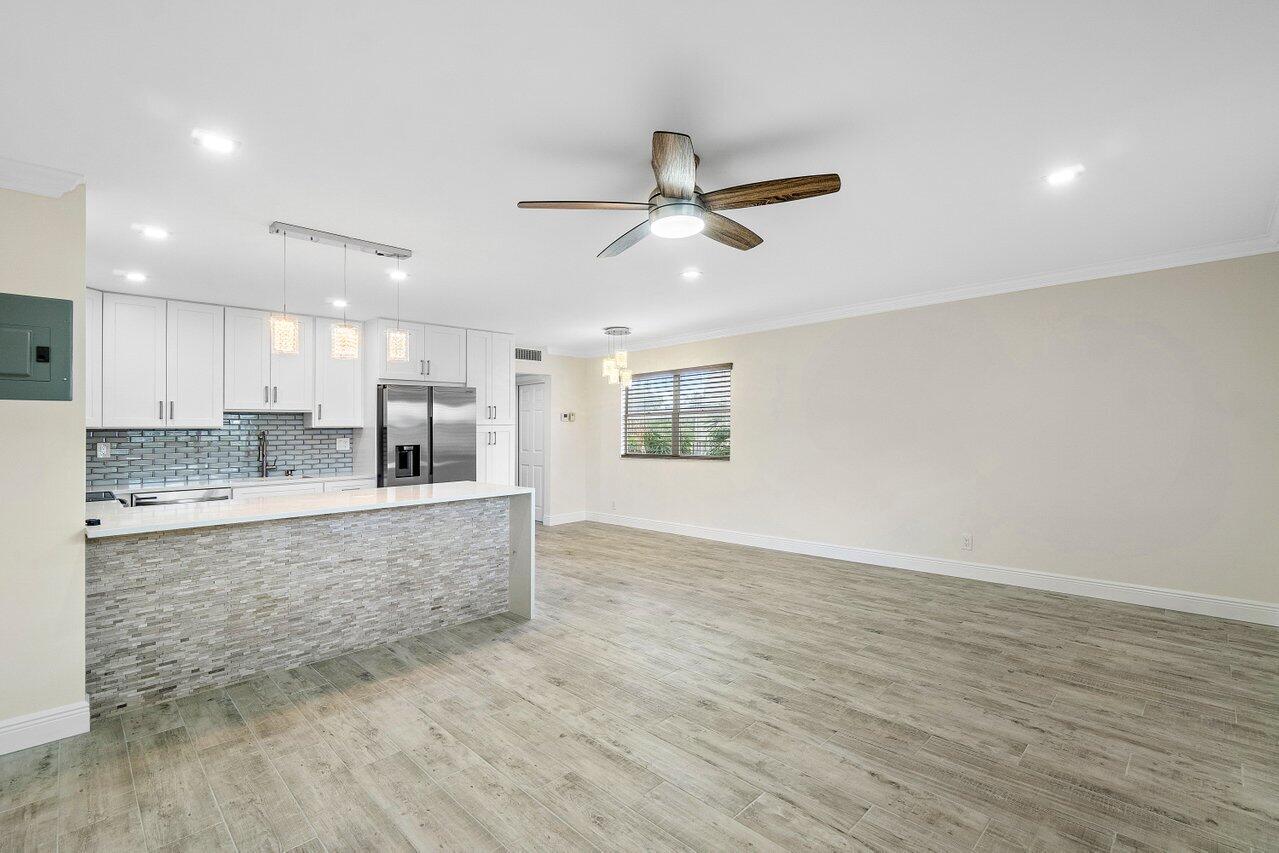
194	367
532	447
133	356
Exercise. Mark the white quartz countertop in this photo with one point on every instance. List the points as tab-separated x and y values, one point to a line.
123	521
240	483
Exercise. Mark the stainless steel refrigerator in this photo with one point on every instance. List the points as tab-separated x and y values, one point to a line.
425	434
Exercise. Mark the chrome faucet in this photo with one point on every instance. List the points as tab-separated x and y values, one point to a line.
263	465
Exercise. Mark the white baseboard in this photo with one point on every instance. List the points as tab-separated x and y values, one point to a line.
563	518
1239	609
44	726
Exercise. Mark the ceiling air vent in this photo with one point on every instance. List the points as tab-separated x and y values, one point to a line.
528	354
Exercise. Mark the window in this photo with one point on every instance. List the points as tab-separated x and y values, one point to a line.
678	414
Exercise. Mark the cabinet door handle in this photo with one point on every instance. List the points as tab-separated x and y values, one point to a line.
320	415
161	410
428	367
266	393
422	367
276	395
170	410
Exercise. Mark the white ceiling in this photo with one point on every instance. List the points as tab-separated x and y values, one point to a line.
421	124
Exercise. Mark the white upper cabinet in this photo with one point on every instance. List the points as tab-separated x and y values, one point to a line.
258	380
490	369
293	376
408	364
133	361
248	361
194	366
445	354
93	358
338	382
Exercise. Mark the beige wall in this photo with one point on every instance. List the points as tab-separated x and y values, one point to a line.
42	475
565	442
1125	429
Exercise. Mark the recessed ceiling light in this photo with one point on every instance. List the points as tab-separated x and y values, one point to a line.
131	275
214	142
1061	177
691	274
397	274
338	303
151	232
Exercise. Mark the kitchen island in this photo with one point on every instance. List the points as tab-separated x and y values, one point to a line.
180	598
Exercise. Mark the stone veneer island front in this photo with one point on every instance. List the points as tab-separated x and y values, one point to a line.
183	598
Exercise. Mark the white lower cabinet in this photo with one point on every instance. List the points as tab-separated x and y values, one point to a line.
352	485
495	455
282	489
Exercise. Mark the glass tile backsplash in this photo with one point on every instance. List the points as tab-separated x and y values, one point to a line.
142	457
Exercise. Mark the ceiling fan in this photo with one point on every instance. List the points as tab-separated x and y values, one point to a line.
679	208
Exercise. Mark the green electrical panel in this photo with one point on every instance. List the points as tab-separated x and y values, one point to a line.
35	348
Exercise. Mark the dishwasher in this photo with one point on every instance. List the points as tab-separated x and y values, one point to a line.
182	496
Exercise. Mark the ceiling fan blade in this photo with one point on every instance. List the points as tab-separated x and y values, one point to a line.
674	164
621	244
584	205
721	229
771	192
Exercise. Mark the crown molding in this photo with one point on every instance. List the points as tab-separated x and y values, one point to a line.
1260	245
37	180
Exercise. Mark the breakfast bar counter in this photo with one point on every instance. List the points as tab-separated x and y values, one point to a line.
180	598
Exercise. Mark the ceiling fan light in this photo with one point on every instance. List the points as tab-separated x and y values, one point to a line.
676	220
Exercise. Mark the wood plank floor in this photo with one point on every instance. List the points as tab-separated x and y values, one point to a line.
676	694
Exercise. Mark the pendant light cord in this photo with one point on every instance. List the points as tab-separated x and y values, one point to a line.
397	296
284	272
344	284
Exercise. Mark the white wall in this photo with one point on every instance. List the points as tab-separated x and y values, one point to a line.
1124	429
566	443
42	478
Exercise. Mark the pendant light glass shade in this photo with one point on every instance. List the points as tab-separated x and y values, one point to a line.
614	368
286	334
344	341
286	331
344	337
397	345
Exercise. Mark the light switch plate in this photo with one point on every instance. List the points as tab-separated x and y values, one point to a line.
344	444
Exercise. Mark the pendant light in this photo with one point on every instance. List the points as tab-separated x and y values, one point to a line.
344	337
397	339
616	366
286	331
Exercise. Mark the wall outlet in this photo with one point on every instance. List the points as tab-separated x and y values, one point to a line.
344	444
104	450
966	542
